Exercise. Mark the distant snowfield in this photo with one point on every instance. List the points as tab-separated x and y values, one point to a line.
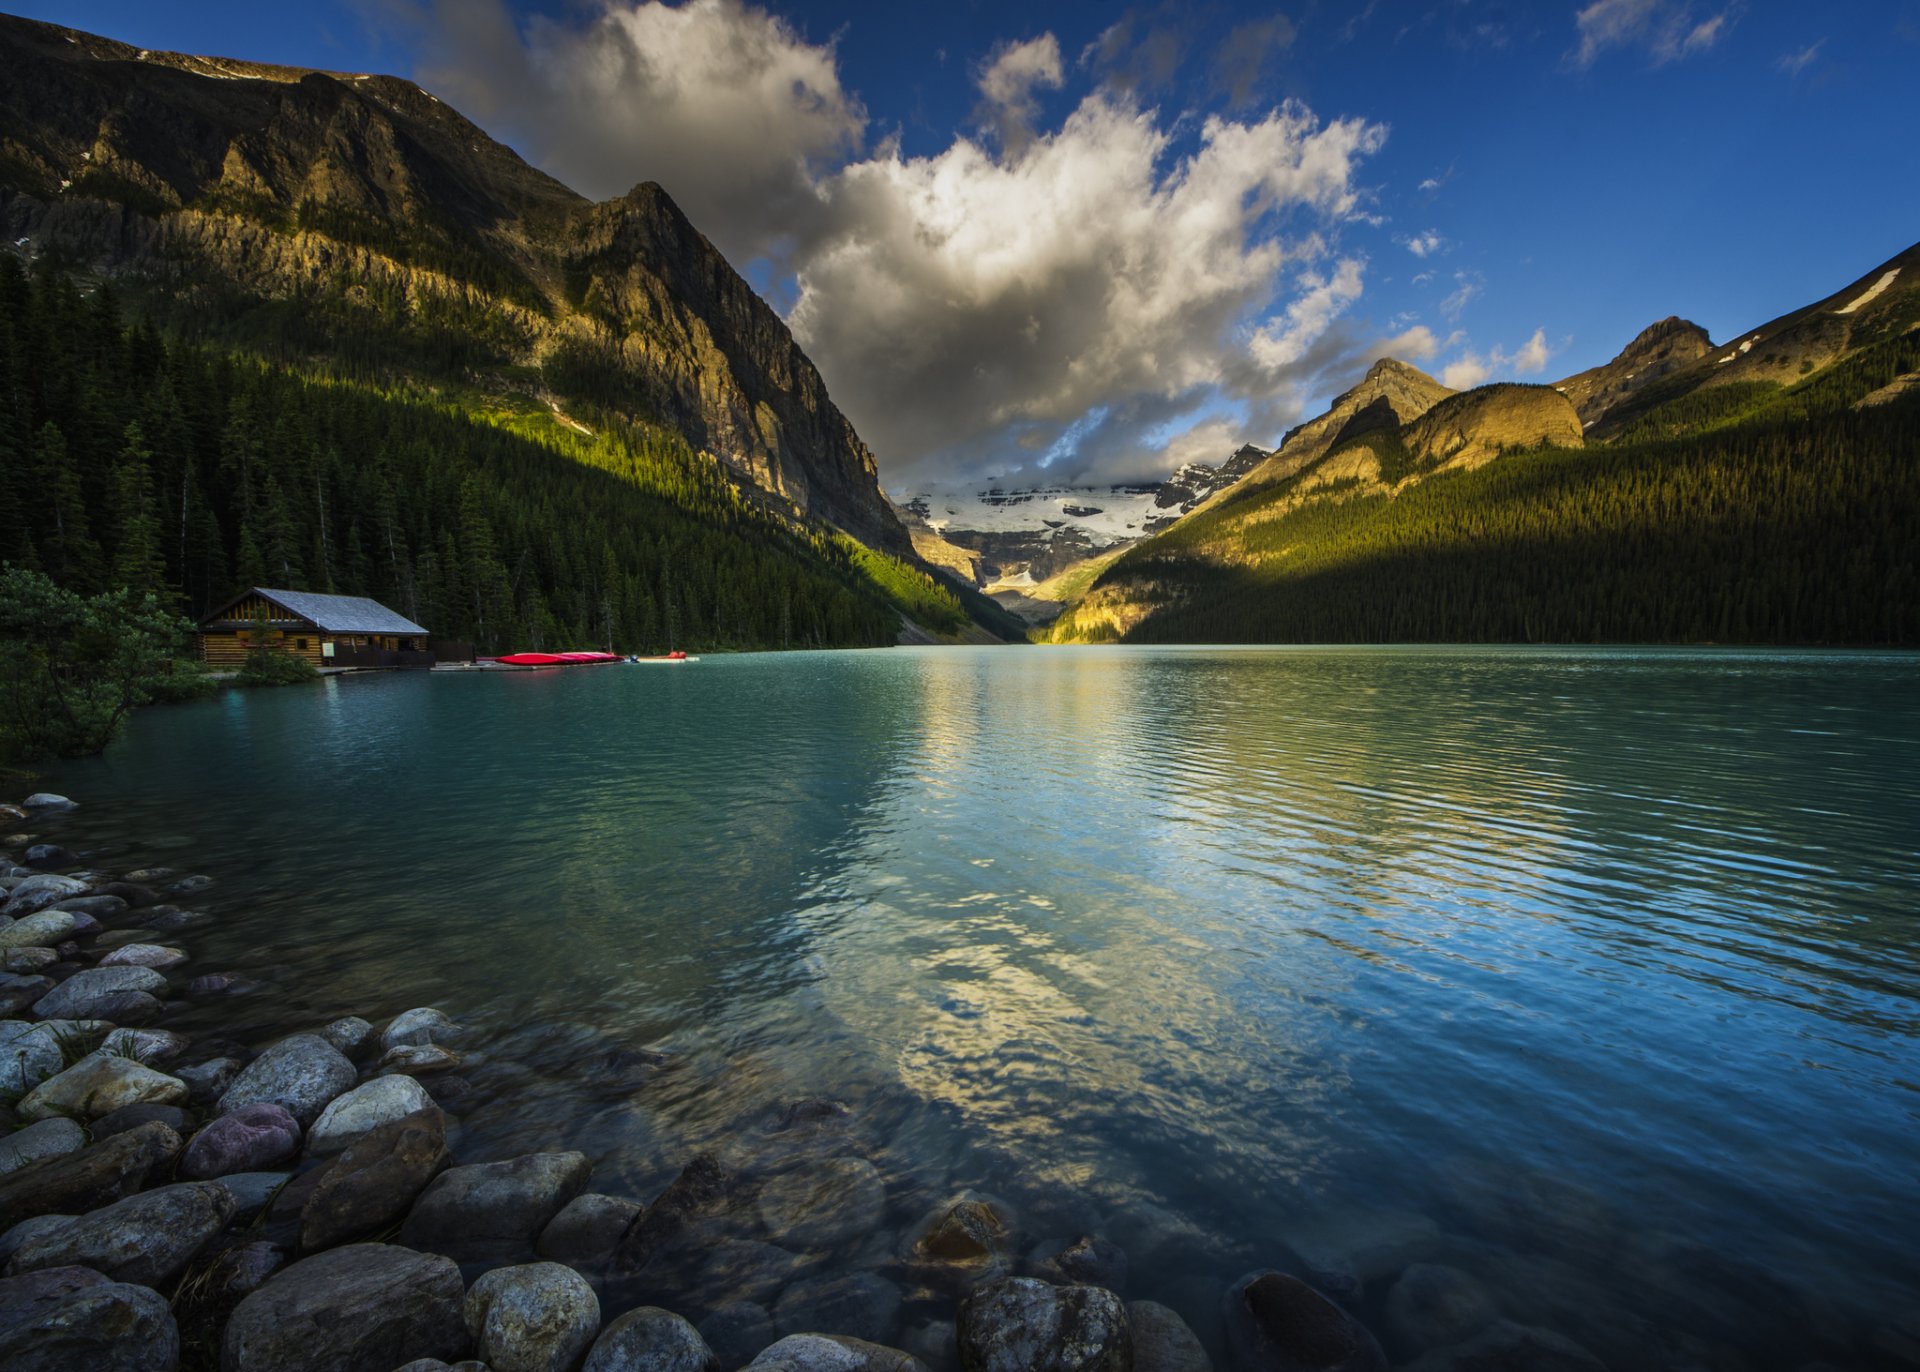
1105	514
1886	280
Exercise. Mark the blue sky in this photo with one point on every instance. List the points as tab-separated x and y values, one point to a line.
1112	239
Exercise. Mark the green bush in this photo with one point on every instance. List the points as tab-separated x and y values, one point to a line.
268	668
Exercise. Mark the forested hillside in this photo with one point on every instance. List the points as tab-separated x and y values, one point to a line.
1753	512
128	458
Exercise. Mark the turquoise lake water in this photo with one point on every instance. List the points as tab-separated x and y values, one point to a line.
1593	972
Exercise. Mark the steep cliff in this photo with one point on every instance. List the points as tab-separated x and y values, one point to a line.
356	216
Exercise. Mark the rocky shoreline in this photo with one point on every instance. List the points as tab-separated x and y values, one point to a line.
298	1205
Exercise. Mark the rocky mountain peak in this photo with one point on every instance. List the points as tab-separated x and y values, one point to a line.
1657	350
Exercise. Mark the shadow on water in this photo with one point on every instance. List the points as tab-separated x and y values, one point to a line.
1594	973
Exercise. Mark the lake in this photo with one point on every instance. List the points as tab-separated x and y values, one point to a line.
1593	973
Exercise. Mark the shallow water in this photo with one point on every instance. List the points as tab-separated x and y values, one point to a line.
1598	970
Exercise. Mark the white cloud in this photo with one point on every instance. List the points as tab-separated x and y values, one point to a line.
1432	183
1425	244
1095	287
1470	369
1007	85
1794	63
1666	29
1466	285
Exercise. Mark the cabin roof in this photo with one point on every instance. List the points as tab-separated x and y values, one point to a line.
333	614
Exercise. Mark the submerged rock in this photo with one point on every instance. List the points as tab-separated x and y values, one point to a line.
862	1305
98	1084
252	1138
823	1204
363	1306
302	1073
587	1229
145	1239
737	1331
1163	1342
1277	1323
376	1180
1088	1260
540	1317
1019	1324
68	1318
1505	1345
1432	1305
650	1340
494	1210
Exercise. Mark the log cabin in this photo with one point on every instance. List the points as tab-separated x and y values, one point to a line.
324	630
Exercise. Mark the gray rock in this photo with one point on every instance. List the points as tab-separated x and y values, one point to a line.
252	1138
960	1244
123	995
832	1353
189	885
95	1176
69	1318
346	1310
540	1317
1277	1323
1508	1347
37	930
50	856
489	1211
49	801
133	1116
376	1180
737	1331
650	1340
36	893
1019	1324
587	1229
1431	1306
29	1054
303	1073
243	1268
1089	1261
363	1109
94	906
154	1047
208	1081
99	1084
17	993
422	1026
823	1204
144	1239
47	1139
1163	1342
861	1305
252	1192
22	1233
155	955
350	1035
419	1059
18	961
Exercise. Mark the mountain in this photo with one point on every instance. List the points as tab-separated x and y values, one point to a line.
356	217
1764	491
1657	351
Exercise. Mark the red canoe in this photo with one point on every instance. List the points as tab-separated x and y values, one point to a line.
556	659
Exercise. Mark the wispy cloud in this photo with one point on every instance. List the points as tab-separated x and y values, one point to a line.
1466	285
1425	244
1794	63
1667	30
1470	369
1008	82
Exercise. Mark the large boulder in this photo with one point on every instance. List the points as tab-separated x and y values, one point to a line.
540	1317
38	930
494	1210
304	1073
158	956
1277	1323
1163	1342
823	1204
67	1318
99	1084
144	1239
376	1180
47	1139
417	1027
154	1047
48	801
253	1138
1020	1324
587	1229
650	1340
36	893
829	1353
122	995
95	1176
363	1109
366	1306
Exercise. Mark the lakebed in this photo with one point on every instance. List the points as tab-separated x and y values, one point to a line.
1586	977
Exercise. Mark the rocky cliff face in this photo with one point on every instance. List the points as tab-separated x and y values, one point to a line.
366	199
1474	427
1391	394
1659	350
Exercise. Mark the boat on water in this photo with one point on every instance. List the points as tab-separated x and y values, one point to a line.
668	658
556	659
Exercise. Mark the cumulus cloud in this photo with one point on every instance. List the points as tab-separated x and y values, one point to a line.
1008	83
1470	369
728	107
1667	29
1425	244
1109	291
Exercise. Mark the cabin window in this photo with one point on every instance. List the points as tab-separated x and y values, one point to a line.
301	644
